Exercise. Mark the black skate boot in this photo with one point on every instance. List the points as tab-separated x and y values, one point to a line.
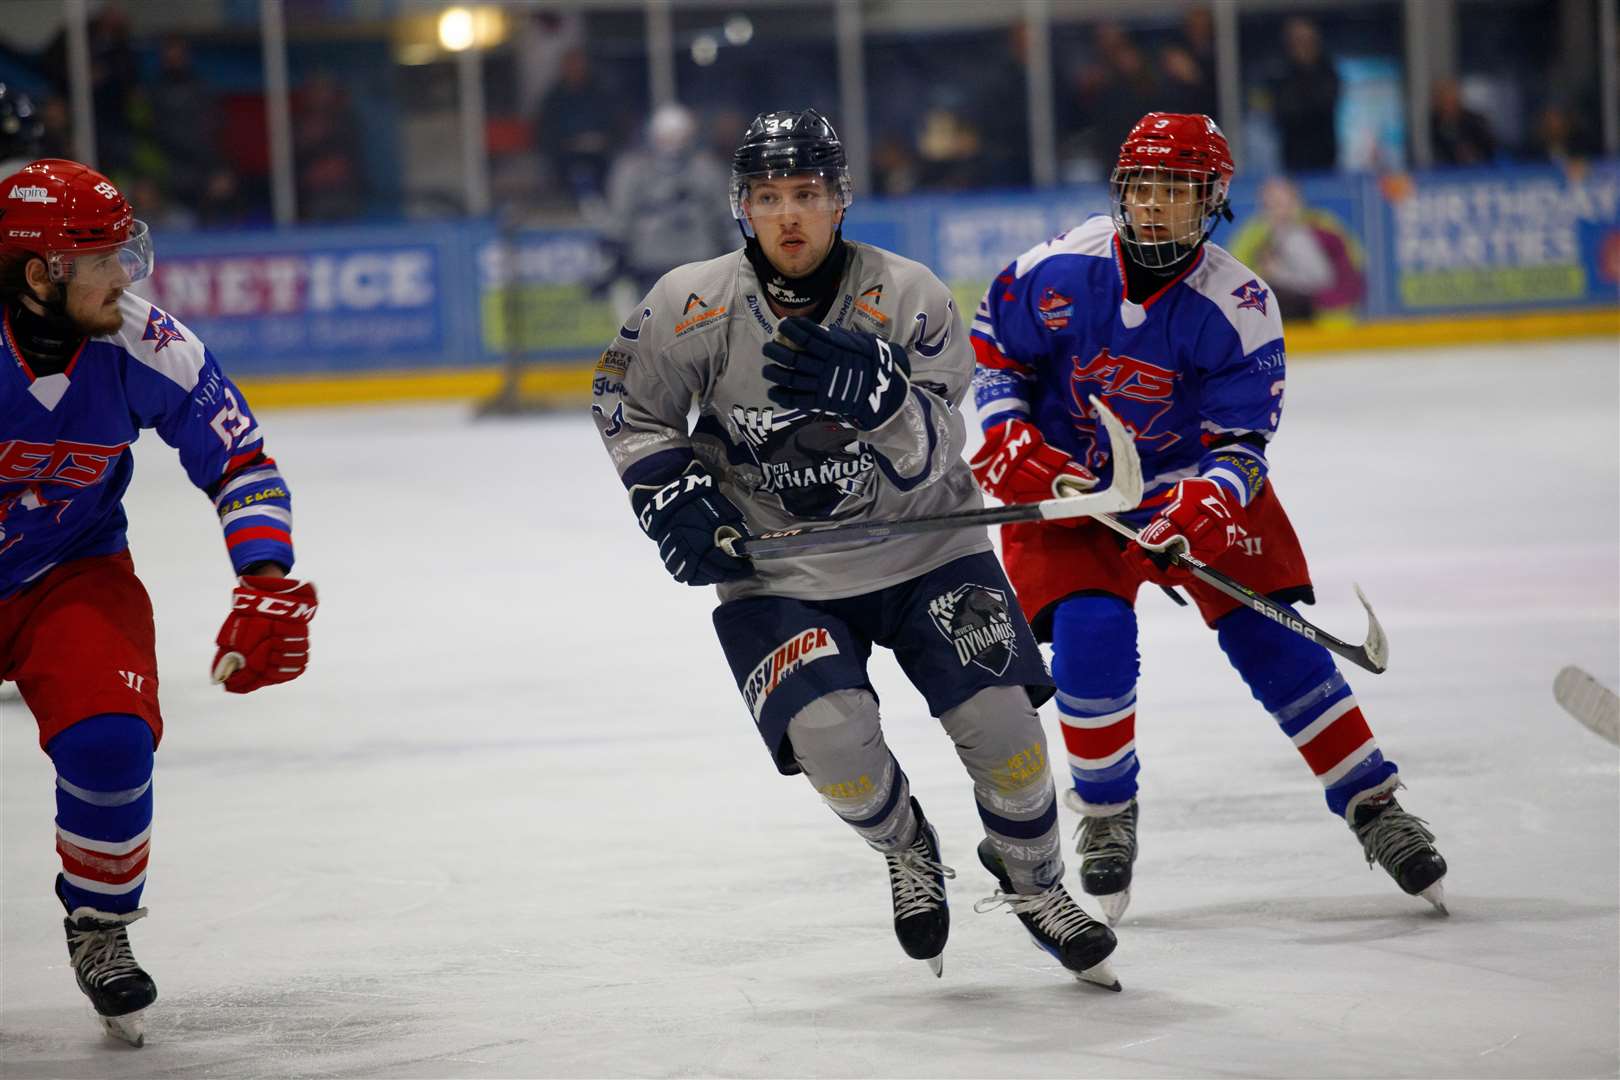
98	948
1055	922
1403	846
922	917
1107	850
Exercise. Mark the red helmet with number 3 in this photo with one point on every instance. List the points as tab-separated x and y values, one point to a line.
74	219
1170	186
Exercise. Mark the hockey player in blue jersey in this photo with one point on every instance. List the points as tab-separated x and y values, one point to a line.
85	366
1185	344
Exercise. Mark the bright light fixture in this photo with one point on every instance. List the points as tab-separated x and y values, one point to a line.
456	29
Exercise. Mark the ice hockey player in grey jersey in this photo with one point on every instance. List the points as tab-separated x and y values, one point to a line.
826	375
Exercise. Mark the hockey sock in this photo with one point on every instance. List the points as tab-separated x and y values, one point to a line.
998	737
1095	666
1297	682
103	810
839	745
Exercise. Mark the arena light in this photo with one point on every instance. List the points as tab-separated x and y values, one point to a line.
739	30
456	29
705	50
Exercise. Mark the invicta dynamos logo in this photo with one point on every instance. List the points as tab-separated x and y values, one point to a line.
975	621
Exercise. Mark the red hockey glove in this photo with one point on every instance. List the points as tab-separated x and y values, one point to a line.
265	638
1202	519
1017	465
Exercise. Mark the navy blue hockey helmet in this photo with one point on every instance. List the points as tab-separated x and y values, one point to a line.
789	143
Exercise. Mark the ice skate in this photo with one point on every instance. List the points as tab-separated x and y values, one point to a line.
1107	850
98	948
1056	923
922	917
1403	846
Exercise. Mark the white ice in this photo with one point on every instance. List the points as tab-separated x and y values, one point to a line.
515	821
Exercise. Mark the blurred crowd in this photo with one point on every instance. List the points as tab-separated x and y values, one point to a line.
947	113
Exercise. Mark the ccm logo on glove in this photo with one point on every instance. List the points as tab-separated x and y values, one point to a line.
265	639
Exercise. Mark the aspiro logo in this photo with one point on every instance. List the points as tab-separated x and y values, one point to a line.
31	194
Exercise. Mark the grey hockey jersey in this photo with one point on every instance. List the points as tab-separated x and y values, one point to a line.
697	339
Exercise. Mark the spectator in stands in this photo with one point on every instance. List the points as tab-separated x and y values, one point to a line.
1558	138
1110	95
894	165
1461	136
1305	97
113	82
1198	38
326	152
1183	88
1307	256
185	114
666	204
577	130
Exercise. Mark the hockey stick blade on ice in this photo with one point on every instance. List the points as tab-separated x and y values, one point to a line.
1372	655
1123	493
1588	701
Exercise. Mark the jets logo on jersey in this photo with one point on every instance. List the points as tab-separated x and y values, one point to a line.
1055	308
161	329
62	462
1137	392
975	621
1251	295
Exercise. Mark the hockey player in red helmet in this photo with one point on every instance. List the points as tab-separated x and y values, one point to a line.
1185	344
86	364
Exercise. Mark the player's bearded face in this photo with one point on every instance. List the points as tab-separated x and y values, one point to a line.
94	290
795	219
1164	208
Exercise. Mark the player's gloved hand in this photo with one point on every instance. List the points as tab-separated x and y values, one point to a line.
1202	519
265	638
852	376
1017	465
688	517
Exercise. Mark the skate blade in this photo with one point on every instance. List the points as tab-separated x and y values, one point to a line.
936	964
1114	905
1100	974
130	1028
1436	895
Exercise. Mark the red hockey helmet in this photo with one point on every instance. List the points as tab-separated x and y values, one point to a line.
1170	186
74	219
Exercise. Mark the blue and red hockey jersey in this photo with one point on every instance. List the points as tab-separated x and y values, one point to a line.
65	441
1195	373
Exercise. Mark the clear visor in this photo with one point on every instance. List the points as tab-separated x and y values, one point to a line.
109	265
777	194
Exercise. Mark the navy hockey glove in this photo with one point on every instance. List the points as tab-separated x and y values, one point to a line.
685	517
852	376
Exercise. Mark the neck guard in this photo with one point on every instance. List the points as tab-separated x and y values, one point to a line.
816	288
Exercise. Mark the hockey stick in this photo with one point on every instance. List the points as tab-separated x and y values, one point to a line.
1588	701
1123	493
1373	655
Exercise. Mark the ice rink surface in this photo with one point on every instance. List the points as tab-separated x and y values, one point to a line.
515	821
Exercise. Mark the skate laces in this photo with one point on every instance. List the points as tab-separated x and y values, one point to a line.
916	879
1053	912
1106	837
1394	836
101	952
